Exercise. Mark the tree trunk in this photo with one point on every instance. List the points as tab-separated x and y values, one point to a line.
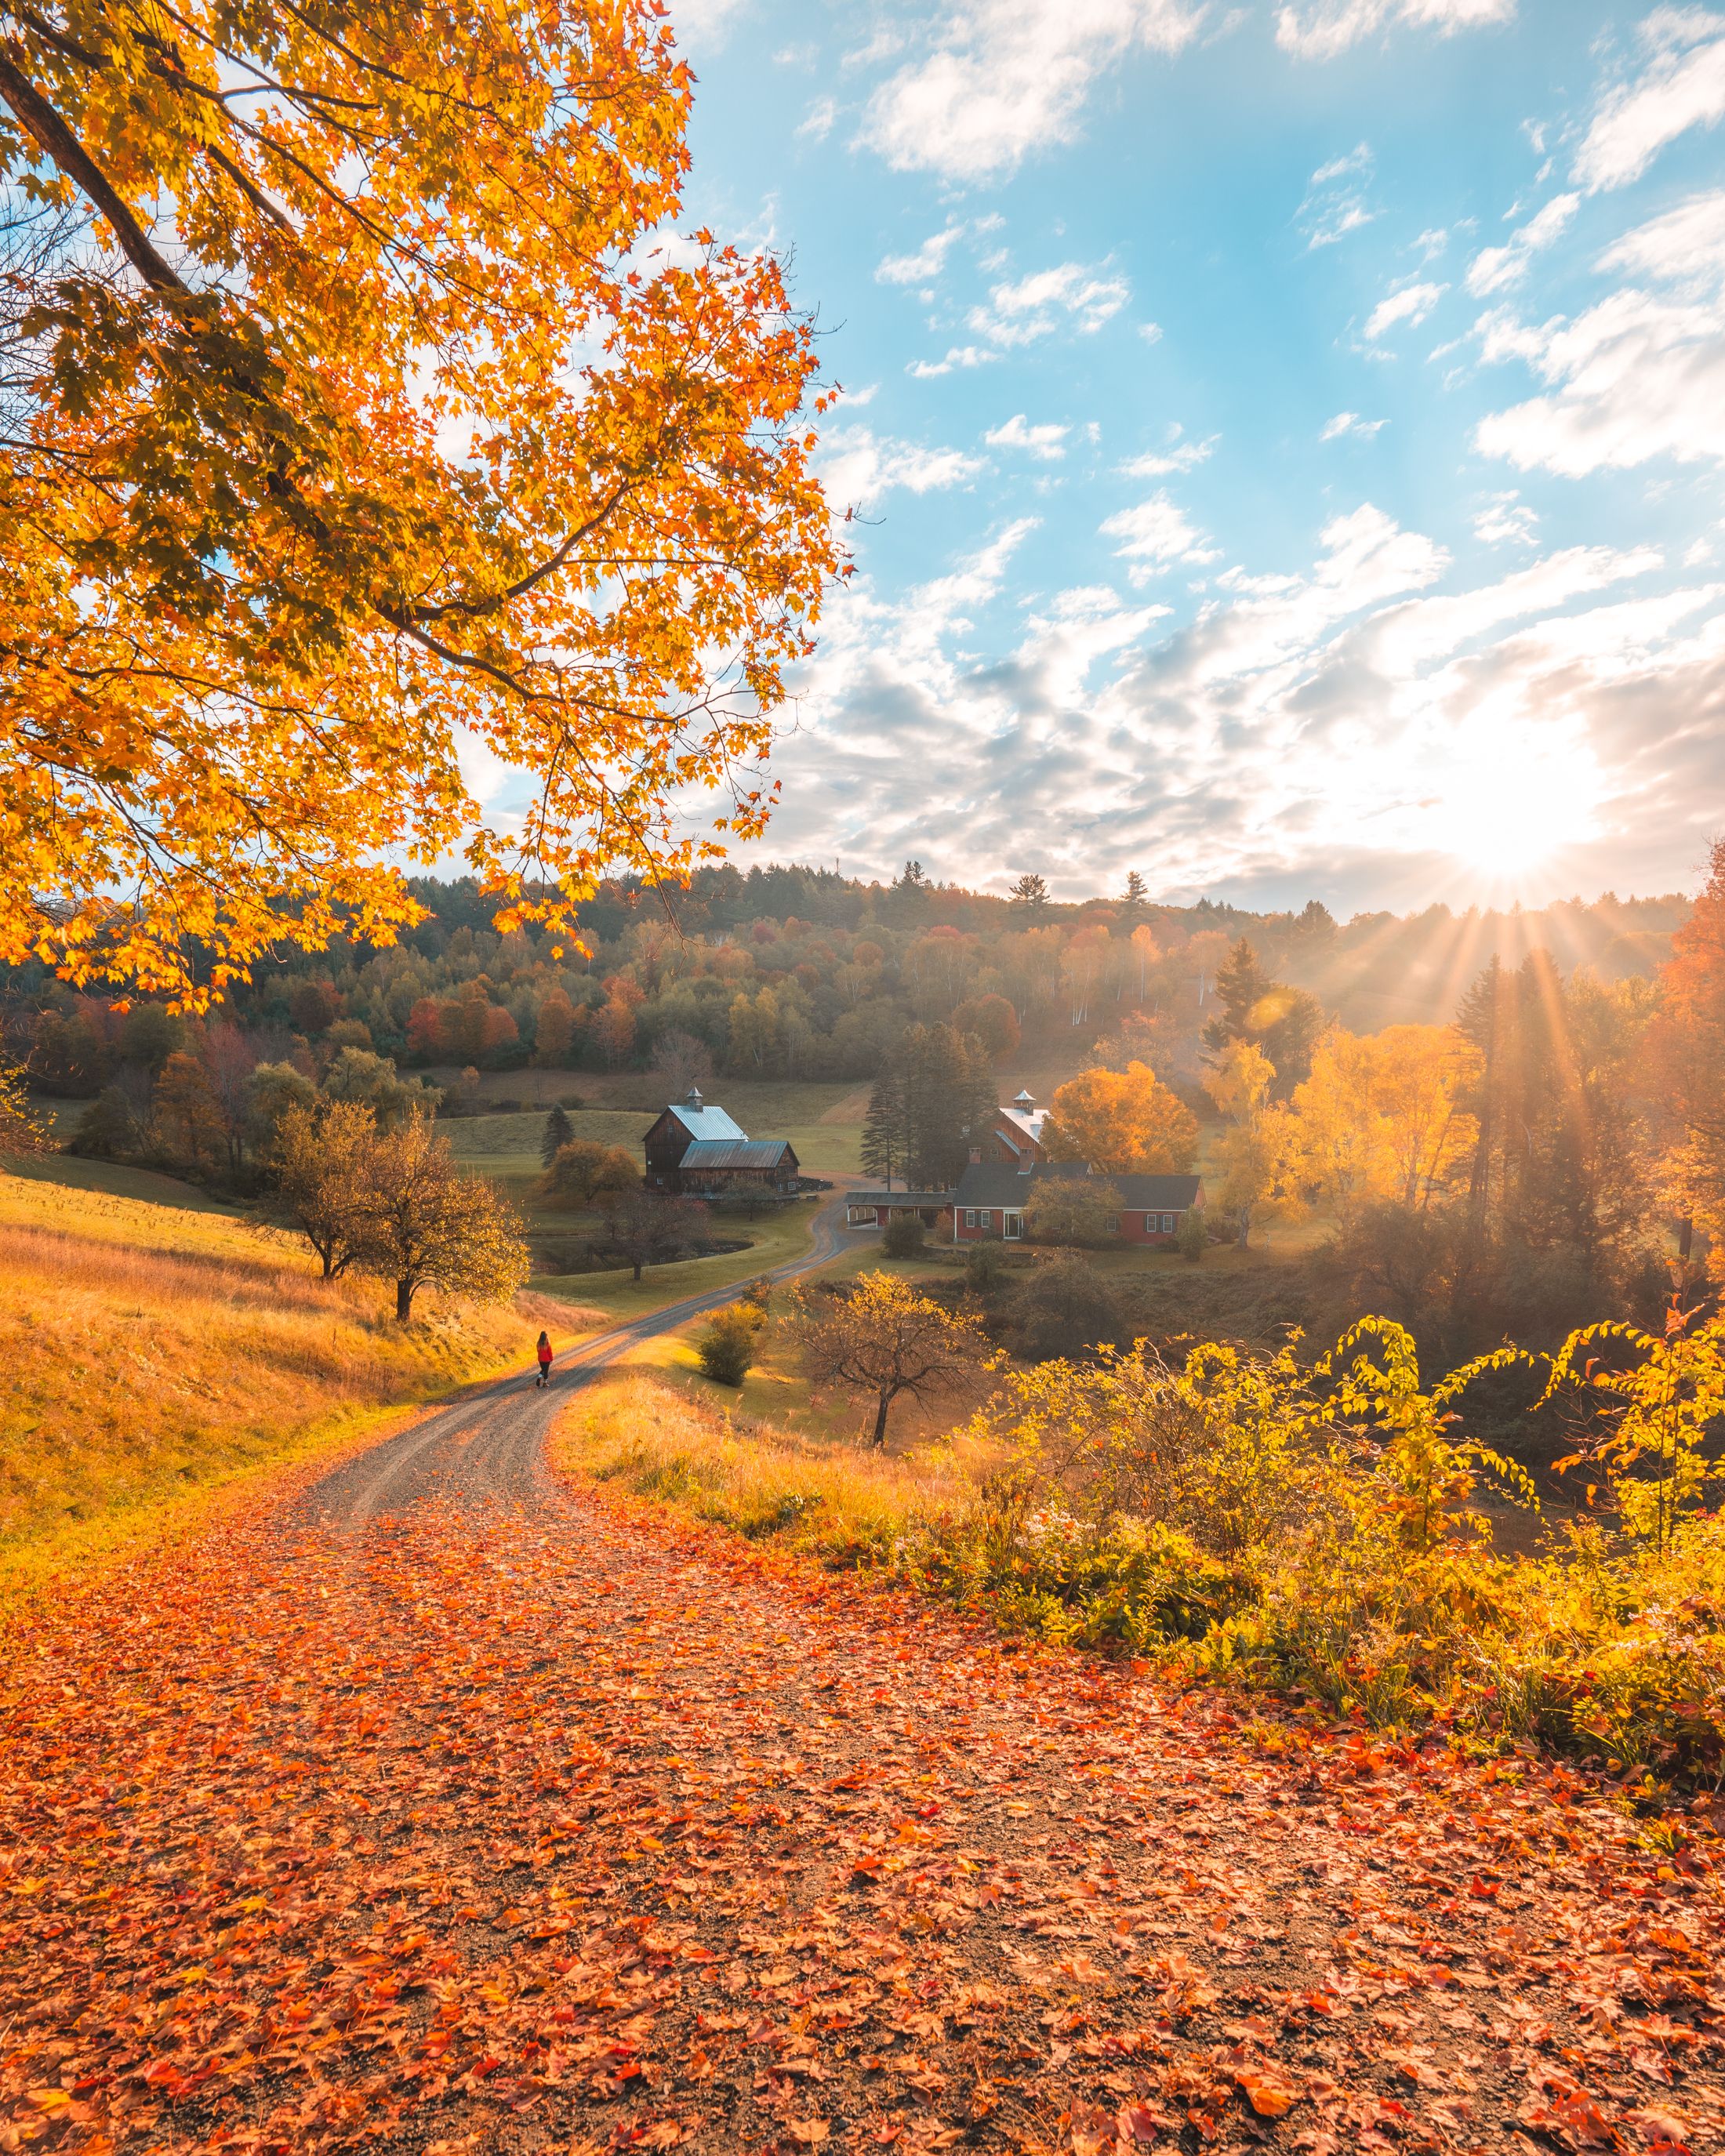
403	1301
878	1440
637	1262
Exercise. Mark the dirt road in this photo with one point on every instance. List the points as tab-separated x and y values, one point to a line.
415	1822
489	1445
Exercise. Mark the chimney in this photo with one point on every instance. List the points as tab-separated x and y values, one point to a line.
976	1156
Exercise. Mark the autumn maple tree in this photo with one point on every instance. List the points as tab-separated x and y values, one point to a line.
368	424
1121	1122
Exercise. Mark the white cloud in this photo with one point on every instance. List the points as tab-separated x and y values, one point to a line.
1684	247
961	354
1343	723
1321	29
817	123
1682	86
1182	457
1411	305
1506	520
1350	422
1046	300
1156	536
858	466
1335	201
925	264
1047	441
1638	376
1496	269
1001	78
705	24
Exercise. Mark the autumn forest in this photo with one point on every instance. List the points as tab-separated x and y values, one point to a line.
653	1496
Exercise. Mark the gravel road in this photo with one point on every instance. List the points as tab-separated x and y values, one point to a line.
489	1445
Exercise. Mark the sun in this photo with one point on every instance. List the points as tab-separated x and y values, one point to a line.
1508	798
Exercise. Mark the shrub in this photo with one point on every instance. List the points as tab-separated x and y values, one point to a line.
905	1235
727	1346
985	1268
583	1170
1065	1307
1192	1238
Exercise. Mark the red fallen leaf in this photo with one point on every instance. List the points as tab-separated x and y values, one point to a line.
1136	2122
1662	2130
1572	2117
1269	2094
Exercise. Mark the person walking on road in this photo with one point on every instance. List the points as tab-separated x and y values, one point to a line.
544	1377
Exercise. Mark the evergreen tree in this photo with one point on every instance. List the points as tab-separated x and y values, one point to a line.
883	1139
1136	895
558	1131
1285	1022
948	1091
1028	897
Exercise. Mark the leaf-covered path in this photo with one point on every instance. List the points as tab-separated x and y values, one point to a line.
581	1830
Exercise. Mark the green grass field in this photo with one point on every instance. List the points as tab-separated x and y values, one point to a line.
773	1238
509	1145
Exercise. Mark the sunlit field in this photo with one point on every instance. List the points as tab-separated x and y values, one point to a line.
155	1352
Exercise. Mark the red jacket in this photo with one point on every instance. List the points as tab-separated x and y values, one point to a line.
545	1351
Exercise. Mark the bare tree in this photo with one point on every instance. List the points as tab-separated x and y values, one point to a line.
645	1230
887	1340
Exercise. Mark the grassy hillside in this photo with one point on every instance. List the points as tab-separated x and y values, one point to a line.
822	1122
155	1352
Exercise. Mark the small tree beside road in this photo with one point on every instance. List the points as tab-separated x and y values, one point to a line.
884	1340
425	1222
322	1166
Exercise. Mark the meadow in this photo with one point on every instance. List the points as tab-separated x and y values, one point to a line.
159	1350
823	1121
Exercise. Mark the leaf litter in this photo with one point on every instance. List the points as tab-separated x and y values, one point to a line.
594	1830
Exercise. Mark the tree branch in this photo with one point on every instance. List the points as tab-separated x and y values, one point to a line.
56	141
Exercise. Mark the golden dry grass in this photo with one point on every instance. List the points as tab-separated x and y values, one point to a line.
649	1437
150	1355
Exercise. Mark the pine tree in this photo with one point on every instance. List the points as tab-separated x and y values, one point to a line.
1029	896
1136	895
1285	1022
883	1149
558	1131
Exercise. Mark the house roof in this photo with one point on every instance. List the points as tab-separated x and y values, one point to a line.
891	1198
702	1122
735	1152
992	1182
1029	1120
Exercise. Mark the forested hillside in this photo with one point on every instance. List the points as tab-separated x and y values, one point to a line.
796	972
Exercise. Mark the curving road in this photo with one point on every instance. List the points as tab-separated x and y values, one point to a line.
490	1443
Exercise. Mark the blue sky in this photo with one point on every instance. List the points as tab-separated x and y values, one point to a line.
1287	438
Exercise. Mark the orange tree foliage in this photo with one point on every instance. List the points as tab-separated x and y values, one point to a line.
358	413
1121	1122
